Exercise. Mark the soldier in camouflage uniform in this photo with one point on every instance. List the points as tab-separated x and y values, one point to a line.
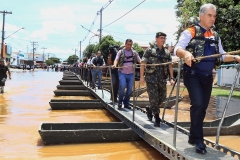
156	75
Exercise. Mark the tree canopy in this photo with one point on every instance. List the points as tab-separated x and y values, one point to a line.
227	21
139	49
49	62
104	45
89	50
72	59
55	60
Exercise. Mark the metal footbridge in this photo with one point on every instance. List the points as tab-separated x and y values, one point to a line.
170	140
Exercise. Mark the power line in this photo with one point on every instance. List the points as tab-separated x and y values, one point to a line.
130	33
114	36
89	30
124	14
16	21
98	13
124	39
106	5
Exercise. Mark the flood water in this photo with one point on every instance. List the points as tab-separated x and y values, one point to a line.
24	106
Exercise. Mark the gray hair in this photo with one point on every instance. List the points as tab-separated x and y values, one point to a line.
204	7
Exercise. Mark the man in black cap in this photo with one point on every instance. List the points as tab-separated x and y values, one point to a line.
3	75
156	75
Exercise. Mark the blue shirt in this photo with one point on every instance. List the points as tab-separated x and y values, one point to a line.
205	66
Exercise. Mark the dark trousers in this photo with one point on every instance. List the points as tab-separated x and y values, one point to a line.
115	83
199	88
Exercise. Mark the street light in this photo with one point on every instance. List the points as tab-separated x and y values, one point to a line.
92	37
2	45
14	32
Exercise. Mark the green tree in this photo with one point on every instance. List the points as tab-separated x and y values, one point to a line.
104	45
49	62
55	60
138	49
89	50
227	22
72	59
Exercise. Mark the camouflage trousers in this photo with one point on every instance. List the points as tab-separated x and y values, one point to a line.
157	94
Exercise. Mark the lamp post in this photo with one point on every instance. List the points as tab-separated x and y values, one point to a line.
92	37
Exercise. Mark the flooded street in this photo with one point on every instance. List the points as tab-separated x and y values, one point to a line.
24	106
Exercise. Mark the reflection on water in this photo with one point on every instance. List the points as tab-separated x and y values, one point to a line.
3	108
25	105
233	107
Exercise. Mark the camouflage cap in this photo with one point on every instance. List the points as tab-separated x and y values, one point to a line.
160	34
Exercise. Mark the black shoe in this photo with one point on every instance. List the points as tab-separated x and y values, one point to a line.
200	148
100	87
127	106
119	105
191	141
157	120
149	113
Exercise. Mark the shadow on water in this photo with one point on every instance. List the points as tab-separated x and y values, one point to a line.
221	103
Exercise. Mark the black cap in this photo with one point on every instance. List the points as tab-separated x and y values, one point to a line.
160	34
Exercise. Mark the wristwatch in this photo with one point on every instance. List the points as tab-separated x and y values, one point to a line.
172	78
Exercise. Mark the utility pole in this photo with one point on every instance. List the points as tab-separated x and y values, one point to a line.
43	53
34	45
100	31
75	55
80	51
2	45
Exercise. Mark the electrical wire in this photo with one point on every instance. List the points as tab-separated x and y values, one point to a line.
109	2
114	36
125	14
130	33
124	39
90	29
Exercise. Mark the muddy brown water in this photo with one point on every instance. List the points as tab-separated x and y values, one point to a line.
24	105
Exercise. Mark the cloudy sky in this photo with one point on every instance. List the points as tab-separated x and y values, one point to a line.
56	24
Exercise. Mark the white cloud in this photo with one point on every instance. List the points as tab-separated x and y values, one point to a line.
59	20
135	28
163	0
99	1
39	34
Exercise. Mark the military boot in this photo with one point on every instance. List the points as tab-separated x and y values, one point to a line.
149	113
157	120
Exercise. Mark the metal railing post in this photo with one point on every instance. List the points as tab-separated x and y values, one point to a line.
112	87
176	106
101	82
226	106
165	106
134	103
